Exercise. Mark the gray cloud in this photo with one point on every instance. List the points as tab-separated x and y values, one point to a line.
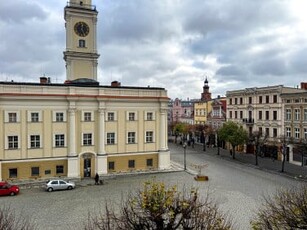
169	43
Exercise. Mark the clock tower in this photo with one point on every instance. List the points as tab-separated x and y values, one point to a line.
81	55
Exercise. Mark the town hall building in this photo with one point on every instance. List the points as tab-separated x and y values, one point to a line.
79	128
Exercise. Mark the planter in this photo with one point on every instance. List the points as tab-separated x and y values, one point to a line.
201	178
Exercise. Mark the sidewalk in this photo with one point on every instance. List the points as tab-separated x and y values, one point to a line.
267	164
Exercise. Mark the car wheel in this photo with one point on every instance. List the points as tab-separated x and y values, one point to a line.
69	188
50	189
12	194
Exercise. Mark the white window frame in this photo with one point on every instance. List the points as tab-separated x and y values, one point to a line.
109	139
147	114
7	117
297	133
288	132
288	114
83	139
13	142
114	116
305	114
60	140
59	112
87	118
148	136
39	141
297	114
131	139
34	117
305	133
31	112
128	115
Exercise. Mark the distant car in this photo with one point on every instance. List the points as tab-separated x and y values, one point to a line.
8	189
53	185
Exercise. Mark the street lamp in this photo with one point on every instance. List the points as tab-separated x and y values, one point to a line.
204	146
184	155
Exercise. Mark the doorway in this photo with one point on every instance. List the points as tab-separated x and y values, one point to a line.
87	167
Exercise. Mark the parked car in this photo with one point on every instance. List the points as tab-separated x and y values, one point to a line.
8	189
53	185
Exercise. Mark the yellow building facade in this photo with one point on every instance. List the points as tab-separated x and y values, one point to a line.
80	128
201	111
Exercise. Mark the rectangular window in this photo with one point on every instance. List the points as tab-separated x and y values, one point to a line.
149	137
241	101
13	173
131	163
250	100
12	117
131	116
236	114
111	165
236	101
149	162
82	43
274	132
59	140
35	141
260	115
230	114
59	117
34	171
260	130
111	116
59	169
260	99
241	114
305	114
288	132
274	98
305	133
267	99
230	101
267	132
288	114
131	137
110	138
87	139
87	116
12	142
149	116
267	115
297	133
274	115
34	117
297	114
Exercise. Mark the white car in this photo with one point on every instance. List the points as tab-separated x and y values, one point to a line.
59	185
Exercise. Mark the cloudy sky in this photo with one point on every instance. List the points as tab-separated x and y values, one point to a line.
173	44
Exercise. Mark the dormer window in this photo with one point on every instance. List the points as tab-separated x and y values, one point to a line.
82	43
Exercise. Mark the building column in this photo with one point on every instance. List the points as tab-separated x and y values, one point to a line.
72	133
164	153
163	130
73	160
102	159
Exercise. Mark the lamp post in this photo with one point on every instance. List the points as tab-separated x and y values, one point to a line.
184	155
204	146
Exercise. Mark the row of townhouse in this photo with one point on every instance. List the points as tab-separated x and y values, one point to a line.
279	112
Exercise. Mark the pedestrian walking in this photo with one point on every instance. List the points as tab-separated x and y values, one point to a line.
96	179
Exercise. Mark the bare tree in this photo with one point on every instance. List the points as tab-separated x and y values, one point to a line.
286	210
10	220
157	207
259	140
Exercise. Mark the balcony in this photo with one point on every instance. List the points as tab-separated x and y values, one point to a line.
248	121
81	5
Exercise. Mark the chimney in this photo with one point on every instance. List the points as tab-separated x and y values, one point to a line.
43	80
304	85
115	84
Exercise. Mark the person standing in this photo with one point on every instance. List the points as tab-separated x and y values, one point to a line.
96	179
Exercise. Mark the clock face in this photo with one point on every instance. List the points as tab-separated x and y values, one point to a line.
81	29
